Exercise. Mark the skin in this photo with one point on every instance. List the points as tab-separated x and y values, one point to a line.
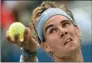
58	30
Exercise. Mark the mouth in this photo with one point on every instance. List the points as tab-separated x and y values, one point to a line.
68	41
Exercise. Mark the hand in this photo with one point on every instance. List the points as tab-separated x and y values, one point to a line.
28	43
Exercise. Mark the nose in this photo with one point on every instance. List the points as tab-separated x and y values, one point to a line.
63	32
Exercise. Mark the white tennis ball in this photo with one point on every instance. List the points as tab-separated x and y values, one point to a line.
17	28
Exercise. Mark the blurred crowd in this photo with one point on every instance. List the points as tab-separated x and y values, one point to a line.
21	11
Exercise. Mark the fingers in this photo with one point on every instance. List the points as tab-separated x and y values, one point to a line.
25	34
30	34
28	39
16	38
8	38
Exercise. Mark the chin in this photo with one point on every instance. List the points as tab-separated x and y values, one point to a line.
70	51
72	47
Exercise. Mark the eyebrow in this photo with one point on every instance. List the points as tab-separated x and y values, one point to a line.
51	25
63	21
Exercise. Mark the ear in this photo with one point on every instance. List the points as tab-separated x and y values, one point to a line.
78	31
46	46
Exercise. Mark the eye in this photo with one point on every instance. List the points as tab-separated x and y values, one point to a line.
66	24
53	30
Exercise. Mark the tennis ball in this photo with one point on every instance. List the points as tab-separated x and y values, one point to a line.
16	28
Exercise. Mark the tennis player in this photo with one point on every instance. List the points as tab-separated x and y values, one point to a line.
55	30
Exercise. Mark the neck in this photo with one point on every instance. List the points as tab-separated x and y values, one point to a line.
72	58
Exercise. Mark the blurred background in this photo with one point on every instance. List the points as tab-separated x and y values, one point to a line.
12	11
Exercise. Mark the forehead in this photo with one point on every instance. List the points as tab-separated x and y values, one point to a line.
55	19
